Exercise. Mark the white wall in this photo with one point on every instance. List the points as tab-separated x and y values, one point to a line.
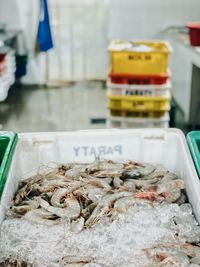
146	18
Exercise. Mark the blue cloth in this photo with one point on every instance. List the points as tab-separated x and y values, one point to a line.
44	37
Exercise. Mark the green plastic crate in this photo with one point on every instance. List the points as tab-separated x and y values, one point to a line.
193	139
8	141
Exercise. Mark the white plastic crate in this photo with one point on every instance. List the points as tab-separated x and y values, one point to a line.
123	122
34	151
7	78
10	63
142	90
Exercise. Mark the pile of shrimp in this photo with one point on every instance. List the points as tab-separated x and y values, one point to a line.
84	193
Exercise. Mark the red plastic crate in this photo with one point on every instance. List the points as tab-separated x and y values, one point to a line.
2	63
138	79
194	33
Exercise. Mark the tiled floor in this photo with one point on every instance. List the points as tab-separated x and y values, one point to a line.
54	109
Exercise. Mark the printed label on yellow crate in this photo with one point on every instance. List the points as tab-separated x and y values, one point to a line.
139	57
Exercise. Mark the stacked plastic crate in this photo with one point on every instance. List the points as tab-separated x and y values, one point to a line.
7	71
139	90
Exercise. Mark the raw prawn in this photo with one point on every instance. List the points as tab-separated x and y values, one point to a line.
138	172
104	206
71	210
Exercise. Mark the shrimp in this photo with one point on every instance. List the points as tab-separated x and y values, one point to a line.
159	173
168	256
25	207
171	190
22	193
192	251
75	185
77	225
88	210
144	183
168	177
27	186
185	247
32	180
99	183
94	166
15	263
57	196
94	193
137	172
122	204
129	185
93	188
108	173
41	216
117	182
182	199
130	164
108	180
104	206
177	259
52	186
148	195
75	172
91	179
51	174
56	182
76	260
71	210
21	210
103	165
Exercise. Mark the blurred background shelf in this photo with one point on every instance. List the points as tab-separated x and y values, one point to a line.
63	87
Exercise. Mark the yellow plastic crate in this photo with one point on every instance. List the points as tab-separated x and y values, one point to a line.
146	58
139	103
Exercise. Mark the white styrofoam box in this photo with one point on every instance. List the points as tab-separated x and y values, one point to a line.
126	122
36	151
144	90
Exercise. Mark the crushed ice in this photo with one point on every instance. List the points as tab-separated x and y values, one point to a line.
117	243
